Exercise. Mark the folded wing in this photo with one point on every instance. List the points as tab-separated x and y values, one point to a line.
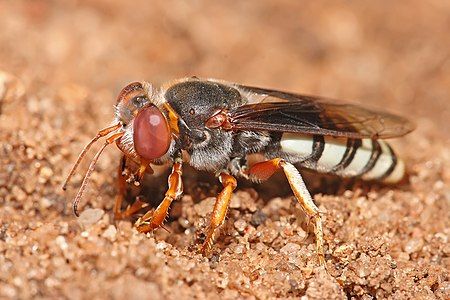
288	112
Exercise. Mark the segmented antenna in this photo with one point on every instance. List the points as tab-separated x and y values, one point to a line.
77	199
99	135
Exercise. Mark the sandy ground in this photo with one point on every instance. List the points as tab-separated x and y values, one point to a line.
63	62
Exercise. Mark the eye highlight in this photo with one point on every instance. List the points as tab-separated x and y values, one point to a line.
151	133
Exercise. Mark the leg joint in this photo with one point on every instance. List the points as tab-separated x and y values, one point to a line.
228	180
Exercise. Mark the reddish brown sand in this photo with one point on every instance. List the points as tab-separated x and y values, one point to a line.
72	57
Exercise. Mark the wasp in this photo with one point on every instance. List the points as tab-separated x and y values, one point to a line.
215	126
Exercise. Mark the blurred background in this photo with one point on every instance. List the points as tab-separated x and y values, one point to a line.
62	63
393	54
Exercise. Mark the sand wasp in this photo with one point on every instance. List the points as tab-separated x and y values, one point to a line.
214	126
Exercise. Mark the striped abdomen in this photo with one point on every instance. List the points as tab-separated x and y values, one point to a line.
365	158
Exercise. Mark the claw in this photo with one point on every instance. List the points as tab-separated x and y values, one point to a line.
165	228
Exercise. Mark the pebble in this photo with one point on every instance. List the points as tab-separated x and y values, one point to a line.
11	87
204	207
344	251
235	202
268	234
301	233
222	282
403	256
240	225
413	245
9	291
110	233
90	216
444	289
244	200
45	202
61	242
18	193
239	249
258	218
30	184
45	173
363	266
161	245
290	249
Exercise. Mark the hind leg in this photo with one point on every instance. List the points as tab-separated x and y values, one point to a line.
263	170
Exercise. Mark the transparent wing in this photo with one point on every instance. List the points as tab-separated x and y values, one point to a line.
287	112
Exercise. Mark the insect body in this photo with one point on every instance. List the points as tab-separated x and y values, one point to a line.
214	126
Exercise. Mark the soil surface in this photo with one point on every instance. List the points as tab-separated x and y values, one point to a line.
62	64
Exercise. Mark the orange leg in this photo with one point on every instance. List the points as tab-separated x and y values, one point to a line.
220	209
263	170
136	178
121	191
154	219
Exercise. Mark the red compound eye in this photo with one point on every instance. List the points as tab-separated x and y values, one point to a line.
151	133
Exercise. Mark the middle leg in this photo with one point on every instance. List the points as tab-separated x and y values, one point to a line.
220	209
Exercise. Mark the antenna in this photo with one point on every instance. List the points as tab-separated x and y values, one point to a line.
77	199
99	135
